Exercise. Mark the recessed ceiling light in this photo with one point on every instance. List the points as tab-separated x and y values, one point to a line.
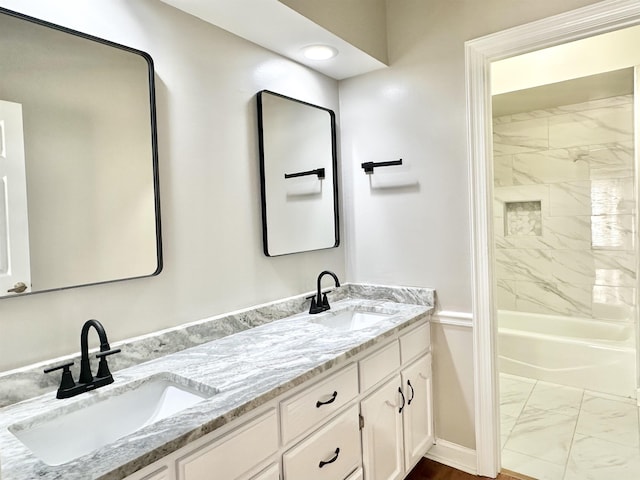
319	52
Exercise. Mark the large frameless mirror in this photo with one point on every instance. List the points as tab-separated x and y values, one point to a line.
298	171
78	159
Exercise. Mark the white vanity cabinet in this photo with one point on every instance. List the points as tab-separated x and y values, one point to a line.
417	415
397	417
233	454
368	419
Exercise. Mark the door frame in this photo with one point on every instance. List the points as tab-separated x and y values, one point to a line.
602	17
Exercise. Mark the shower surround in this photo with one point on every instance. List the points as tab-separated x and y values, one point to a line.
564	207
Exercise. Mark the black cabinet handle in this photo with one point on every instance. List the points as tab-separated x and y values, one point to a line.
413	392
403	400
335	457
333	398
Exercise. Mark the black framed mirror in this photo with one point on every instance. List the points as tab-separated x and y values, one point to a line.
298	173
78	154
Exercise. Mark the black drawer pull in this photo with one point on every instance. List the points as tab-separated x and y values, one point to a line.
413	392
403	400
333	398
335	457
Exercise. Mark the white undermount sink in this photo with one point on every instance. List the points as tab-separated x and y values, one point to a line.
349	319
61	436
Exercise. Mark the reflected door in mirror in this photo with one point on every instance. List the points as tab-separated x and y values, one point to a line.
14	223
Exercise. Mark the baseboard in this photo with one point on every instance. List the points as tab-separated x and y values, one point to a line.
454	455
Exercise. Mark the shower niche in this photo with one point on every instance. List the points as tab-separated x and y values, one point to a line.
523	219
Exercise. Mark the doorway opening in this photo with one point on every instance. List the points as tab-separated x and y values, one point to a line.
600	18
565	277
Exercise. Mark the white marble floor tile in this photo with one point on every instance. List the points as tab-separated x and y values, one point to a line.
542	434
595	459
513	394
609	420
507	422
533	467
556	398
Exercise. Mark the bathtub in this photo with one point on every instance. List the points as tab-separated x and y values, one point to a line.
584	353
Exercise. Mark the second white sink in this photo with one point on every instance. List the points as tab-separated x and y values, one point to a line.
350	319
76	430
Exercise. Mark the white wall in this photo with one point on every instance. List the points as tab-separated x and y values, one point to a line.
416	110
209	184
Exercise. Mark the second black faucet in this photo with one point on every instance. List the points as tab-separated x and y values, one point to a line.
319	302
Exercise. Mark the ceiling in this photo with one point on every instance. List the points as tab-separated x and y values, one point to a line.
579	90
277	27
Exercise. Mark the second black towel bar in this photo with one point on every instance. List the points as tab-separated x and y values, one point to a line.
369	166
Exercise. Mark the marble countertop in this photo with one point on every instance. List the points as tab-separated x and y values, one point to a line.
248	368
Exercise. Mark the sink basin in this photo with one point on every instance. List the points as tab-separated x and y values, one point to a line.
350	319
75	430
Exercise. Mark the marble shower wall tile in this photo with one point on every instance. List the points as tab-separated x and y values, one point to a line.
506	294
612	232
570	198
587	127
548	166
572	232
503	170
575	267
582	262
614	303
525	265
518	137
613	160
553	298
614	268
524	193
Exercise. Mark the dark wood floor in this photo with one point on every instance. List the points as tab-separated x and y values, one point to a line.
430	470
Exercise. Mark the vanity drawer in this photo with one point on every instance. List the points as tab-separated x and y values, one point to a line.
331	453
233	454
415	342
379	365
316	403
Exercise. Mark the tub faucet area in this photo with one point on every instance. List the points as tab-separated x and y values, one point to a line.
319	302
86	381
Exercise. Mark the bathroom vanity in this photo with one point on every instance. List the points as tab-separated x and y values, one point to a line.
314	431
304	397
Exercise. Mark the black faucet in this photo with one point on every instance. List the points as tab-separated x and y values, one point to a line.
86	381
319	302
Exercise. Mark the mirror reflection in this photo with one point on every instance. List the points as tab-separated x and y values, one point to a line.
298	170
77	159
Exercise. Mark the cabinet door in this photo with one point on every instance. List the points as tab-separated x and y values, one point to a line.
270	473
382	433
418	414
